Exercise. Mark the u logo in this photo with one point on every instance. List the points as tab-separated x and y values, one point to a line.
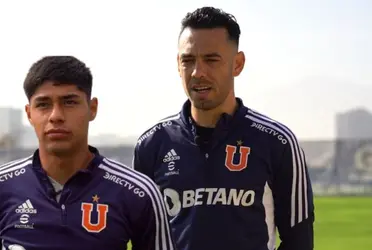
243	160
86	221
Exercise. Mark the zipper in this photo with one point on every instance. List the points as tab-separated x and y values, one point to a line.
206	166
64	214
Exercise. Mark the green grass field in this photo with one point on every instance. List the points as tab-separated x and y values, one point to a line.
343	223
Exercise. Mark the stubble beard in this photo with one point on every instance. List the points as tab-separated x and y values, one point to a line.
207	105
204	105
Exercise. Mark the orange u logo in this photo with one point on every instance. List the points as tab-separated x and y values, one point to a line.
243	160
86	221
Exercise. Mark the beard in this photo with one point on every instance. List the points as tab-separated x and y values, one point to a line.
208	99
204	104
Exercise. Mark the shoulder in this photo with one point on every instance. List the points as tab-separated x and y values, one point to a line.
10	170
159	129
271	128
130	180
15	164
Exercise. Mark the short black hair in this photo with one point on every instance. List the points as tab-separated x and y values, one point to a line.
210	18
60	69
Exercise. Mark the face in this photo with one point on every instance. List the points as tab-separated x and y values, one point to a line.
207	63
60	115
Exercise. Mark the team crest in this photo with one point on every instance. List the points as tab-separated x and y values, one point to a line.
87	211
231	152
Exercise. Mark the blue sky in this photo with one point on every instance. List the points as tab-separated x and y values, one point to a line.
290	45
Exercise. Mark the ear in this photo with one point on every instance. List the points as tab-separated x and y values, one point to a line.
93	108
239	62
28	113
178	65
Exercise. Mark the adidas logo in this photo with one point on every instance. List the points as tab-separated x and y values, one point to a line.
171	156
26	208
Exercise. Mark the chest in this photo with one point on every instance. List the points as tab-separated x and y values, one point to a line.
228	170
35	221
237	162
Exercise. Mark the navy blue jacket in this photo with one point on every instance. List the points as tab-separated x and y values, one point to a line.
101	207
233	190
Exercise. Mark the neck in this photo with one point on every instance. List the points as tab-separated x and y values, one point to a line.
62	168
209	118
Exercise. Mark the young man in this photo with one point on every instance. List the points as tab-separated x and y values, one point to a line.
230	175
66	195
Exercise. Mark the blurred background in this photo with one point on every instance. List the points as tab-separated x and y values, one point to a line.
309	65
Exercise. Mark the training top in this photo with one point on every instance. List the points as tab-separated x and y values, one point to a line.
233	188
101	207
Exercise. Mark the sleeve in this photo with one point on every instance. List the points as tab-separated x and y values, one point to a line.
153	229
293	200
143	160
136	162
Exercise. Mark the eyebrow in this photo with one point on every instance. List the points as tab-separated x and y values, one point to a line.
70	96
213	55
185	56
65	97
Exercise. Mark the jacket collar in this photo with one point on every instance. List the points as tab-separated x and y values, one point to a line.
225	122
36	164
85	174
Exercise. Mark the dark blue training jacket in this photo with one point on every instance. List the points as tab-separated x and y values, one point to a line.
233	190
101	207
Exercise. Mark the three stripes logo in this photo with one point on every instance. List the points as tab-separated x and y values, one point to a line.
26	208
171	156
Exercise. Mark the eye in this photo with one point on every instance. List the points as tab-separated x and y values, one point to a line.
187	60
212	60
71	102
41	105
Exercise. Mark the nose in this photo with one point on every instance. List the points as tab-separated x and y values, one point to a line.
57	115
199	70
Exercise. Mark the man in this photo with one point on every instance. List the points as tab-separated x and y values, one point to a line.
230	176
66	195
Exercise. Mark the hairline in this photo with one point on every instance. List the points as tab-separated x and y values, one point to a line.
56	82
233	42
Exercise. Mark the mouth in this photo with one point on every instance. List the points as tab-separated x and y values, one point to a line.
201	89
57	133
